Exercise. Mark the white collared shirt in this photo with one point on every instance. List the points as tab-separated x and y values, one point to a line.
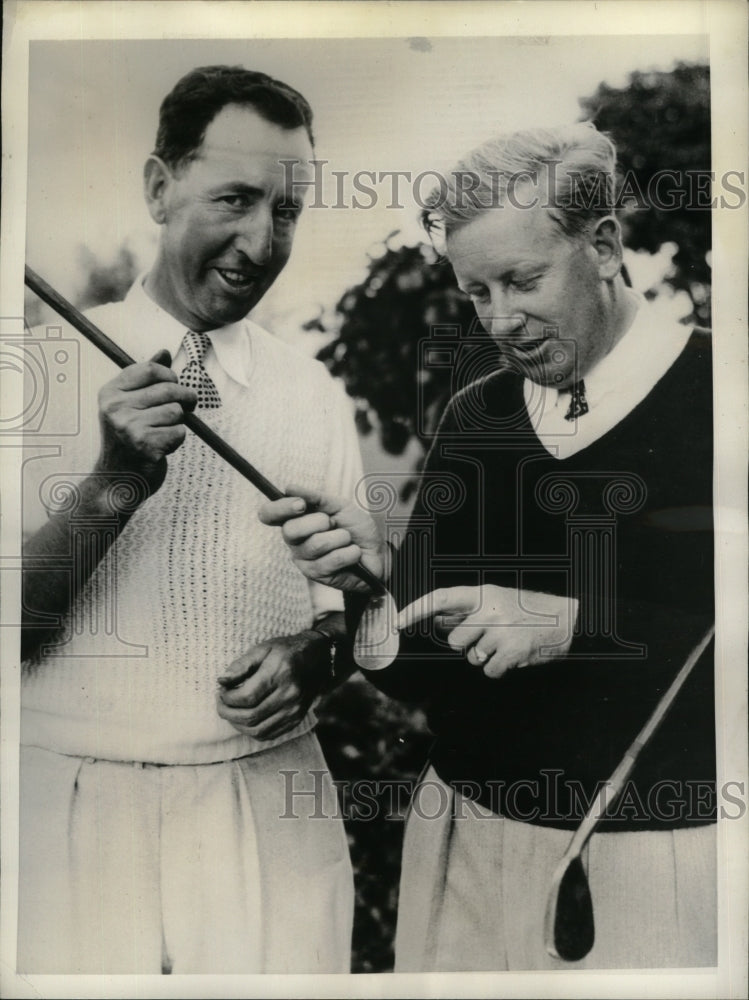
230	353
613	387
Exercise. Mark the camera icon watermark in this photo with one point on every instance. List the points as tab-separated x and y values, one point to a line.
465	359
41	375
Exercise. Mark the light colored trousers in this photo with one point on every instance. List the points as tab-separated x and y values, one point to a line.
474	889
133	868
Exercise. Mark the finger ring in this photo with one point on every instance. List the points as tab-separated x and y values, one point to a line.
479	655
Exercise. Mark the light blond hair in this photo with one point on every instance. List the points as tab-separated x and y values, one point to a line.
572	167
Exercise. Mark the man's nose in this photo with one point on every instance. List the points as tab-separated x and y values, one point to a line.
503	323
501	317
254	235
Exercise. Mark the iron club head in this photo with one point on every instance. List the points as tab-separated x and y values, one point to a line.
377	640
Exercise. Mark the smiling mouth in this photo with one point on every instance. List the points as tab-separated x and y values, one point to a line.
239	280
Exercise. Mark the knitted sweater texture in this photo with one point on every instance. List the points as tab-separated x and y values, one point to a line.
193	581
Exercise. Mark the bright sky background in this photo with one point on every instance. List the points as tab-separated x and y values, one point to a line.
380	104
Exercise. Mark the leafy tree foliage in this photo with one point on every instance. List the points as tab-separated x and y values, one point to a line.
385	324
660	121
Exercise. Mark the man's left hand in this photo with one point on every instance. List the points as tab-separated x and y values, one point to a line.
498	628
269	689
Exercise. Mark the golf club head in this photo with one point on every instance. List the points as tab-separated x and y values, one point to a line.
569	929
377	640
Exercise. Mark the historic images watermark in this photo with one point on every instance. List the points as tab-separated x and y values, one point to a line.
665	190
550	799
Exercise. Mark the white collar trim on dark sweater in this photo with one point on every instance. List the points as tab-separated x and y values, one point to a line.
613	388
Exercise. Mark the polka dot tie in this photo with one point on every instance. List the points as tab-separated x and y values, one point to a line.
194	374
578	402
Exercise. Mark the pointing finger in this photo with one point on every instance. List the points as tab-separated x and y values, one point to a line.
446	601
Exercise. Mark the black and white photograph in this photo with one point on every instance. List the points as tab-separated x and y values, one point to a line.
374	546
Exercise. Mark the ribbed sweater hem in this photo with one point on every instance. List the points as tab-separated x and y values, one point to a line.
59	735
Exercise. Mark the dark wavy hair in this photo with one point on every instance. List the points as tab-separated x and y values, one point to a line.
187	111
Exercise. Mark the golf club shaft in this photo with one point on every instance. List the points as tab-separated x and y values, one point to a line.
115	353
613	787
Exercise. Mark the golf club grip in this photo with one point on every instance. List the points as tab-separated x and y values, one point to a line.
121	358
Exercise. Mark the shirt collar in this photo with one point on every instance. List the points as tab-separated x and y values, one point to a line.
649	345
230	343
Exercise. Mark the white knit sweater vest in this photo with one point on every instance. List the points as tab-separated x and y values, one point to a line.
198	580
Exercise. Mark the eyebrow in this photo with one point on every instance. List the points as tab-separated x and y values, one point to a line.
524	266
519	268
242	187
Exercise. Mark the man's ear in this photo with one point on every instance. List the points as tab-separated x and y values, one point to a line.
156	179
607	241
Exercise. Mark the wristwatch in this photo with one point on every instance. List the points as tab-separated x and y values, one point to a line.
332	679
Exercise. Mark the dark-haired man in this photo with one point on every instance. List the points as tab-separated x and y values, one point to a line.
153	750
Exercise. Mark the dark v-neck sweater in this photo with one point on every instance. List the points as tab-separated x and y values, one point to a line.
624	525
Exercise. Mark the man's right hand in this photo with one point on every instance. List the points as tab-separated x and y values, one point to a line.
328	535
141	415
